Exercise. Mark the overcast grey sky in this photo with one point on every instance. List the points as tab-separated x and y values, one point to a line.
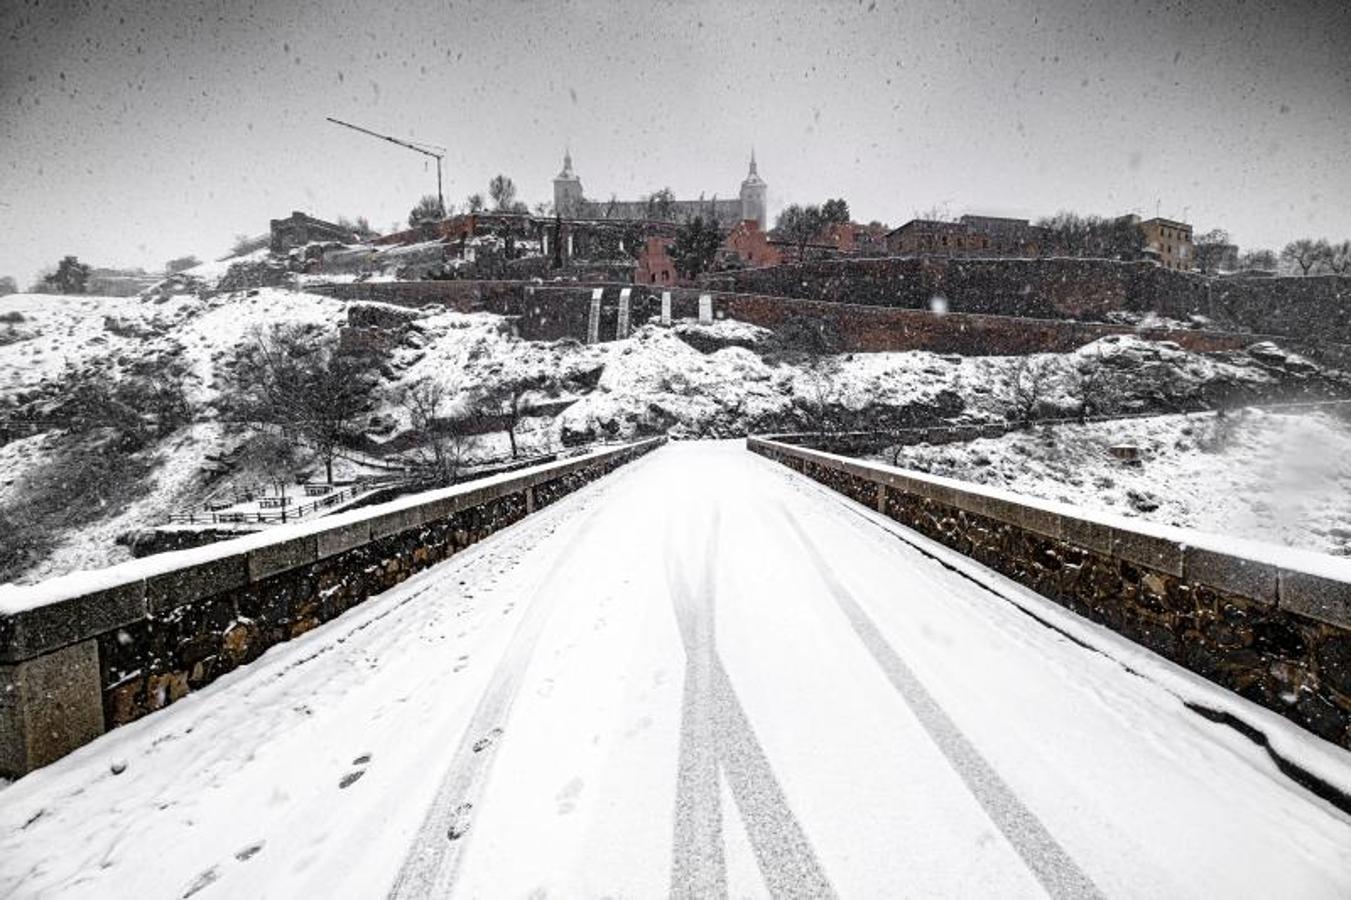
137	131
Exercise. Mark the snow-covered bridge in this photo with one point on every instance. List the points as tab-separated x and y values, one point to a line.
702	675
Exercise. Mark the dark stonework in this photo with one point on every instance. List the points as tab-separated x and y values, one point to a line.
1313	309
1295	665
178	646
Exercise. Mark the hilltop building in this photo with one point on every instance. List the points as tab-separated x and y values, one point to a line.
969	236
1171	241
570	202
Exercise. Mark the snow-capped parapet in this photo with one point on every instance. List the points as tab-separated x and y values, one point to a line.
1269	621
218	606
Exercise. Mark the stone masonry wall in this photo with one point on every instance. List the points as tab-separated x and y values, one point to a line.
550	311
1313	309
1281	638
72	668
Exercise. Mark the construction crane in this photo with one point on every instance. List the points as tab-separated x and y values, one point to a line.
432	150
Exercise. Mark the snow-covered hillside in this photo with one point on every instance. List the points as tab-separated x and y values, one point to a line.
1283	478
739	380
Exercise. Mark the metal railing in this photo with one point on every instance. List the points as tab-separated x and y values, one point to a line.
283	513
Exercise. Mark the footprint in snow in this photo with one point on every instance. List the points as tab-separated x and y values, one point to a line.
354	776
487	740
249	852
459	821
204	879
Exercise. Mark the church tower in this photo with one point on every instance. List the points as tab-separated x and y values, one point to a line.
567	189
754	192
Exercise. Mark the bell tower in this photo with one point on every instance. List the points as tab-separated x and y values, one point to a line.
754	192
567	189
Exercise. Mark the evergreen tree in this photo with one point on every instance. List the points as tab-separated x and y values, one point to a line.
428	207
70	277
695	246
835	211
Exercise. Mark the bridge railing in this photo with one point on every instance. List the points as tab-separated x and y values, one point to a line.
1269	622
85	652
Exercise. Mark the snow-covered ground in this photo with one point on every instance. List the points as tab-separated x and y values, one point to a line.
79	329
1277	477
706	673
653	382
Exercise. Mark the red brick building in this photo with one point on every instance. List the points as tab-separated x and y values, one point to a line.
748	245
655	265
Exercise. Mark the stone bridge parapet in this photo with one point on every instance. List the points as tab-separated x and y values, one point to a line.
1271	623
86	652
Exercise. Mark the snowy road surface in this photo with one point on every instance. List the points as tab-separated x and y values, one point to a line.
701	676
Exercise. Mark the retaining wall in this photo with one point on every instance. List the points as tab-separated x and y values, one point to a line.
547	312
90	651
1272	624
1309	309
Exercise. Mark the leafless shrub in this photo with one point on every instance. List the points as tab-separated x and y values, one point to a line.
1028	388
821	405
89	478
1094	389
136	409
443	441
1223	430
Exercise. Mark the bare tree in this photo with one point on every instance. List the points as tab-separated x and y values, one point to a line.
290	379
503	403
8	286
939	212
360	226
272	455
502	190
800	224
1339	258
1028	388
1306	254
1212	248
1258	260
443	440
821	403
1071	234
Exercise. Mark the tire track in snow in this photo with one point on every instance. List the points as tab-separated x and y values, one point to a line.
1058	873
434	856
716	735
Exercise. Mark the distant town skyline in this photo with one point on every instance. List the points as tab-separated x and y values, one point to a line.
140	132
